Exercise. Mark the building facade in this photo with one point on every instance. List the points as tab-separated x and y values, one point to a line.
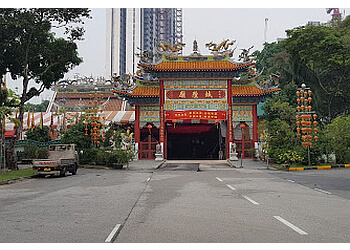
129	29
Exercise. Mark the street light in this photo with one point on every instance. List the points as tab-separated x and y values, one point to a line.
242	152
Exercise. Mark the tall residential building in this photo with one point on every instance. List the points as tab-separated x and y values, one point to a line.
131	28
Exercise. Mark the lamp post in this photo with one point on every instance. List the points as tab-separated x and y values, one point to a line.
306	119
242	152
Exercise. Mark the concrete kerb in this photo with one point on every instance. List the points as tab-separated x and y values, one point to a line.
320	167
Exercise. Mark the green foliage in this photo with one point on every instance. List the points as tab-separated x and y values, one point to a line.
320	56
290	157
10	175
75	135
337	134
36	107
35	152
39	134
113	157
87	155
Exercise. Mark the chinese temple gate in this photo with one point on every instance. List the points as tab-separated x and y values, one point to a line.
193	106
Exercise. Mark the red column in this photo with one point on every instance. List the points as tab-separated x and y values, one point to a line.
137	131
229	136
255	123
162	138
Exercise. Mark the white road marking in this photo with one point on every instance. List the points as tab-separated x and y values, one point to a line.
322	191
148	179
231	187
295	228
251	200
290	180
113	234
218	179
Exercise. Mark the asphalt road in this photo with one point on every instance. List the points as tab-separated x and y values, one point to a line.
216	204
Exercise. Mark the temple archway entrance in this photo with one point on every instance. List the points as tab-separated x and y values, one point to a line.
194	142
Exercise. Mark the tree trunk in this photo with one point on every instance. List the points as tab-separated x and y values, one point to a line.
11	158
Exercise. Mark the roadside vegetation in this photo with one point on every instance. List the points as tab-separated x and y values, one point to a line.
318	56
10	175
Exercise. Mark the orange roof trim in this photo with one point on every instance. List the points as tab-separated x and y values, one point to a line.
197	66
244	90
237	90
141	92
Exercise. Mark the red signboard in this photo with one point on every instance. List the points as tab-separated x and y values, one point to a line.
196	94
195	114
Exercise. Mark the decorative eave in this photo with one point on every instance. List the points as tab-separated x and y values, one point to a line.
196	66
251	90
140	92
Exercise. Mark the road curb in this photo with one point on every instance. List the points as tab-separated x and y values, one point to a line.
15	180
320	167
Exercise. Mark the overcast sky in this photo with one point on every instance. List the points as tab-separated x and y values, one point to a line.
245	25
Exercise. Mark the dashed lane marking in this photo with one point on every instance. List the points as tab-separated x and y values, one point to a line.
295	228
322	191
230	187
111	237
251	200
218	179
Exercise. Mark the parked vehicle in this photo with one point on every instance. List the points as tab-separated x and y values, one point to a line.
63	158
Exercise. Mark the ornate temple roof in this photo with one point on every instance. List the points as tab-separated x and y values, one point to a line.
249	90
76	101
196	66
237	91
141	91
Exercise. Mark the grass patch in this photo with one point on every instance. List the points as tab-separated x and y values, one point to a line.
9	175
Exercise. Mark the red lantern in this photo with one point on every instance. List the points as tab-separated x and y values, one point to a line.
315	123
299	135
298	100
298	123
298	129
315	130
302	107
316	137
297	117
309	92
298	108
315	117
149	126
242	126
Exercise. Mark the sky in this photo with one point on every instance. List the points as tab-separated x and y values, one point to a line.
245	25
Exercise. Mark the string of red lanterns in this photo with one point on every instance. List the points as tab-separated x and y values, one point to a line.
93	118
306	118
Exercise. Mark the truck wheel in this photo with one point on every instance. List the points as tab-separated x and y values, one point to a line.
75	169
63	172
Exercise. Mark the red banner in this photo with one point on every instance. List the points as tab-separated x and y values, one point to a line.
196	94
195	114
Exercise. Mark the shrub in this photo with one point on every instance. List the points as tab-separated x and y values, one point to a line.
290	157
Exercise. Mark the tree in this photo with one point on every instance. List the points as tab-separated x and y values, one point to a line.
31	52
337	136
39	134
41	107
320	56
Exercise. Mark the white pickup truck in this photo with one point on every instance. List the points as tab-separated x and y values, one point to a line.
63	158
